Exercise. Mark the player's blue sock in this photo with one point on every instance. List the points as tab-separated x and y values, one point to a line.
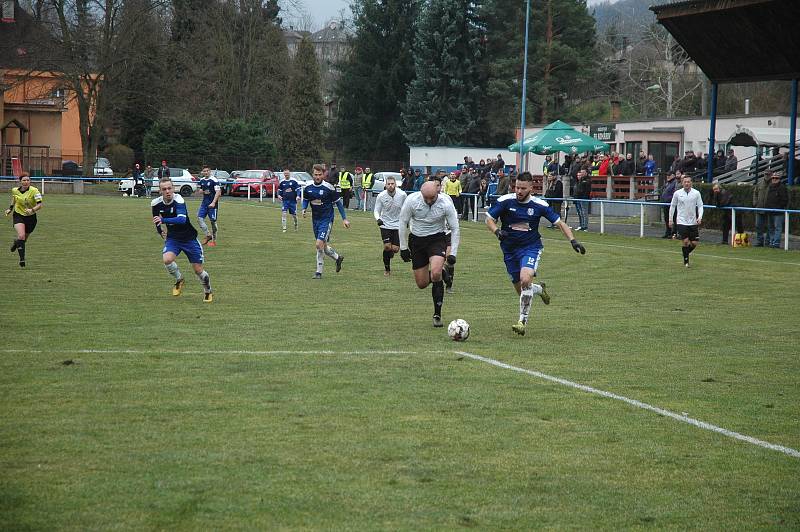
173	270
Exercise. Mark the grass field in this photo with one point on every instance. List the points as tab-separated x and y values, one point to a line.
290	403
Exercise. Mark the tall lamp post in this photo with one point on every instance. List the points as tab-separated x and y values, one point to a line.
524	89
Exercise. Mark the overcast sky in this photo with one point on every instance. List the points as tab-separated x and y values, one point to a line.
324	10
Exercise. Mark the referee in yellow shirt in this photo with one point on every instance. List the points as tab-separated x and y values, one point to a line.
25	201
452	187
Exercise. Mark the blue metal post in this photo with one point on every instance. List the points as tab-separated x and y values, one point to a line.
712	133
792	135
524	90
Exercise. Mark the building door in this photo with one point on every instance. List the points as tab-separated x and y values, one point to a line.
633	148
663	153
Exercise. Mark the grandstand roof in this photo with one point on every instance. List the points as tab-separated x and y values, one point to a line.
737	40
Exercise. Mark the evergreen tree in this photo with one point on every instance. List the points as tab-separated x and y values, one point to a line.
442	101
301	128
374	79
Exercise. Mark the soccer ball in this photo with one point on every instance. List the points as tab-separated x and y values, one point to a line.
458	330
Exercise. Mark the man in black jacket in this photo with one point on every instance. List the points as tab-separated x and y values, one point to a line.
777	198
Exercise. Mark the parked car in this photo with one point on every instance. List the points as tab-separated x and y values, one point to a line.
70	168
185	184
102	167
303	178
380	181
258	182
225	180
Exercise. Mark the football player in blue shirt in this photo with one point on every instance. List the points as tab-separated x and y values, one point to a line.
322	196
288	190
169	210
209	206
519	237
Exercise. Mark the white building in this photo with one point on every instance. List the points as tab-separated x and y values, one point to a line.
665	138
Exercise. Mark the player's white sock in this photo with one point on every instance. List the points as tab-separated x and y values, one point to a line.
283	221
206	280
319	261
173	270
525	297
536	289
329	251
202	223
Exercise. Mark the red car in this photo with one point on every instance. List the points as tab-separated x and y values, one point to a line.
259	182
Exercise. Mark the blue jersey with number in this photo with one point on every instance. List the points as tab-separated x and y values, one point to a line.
209	185
288	189
521	220
321	197
175	216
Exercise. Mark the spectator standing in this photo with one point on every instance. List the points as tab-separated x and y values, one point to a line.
358	187
604	165
676	164
473	187
345	182
163	170
499	163
666	197
721	198
367	180
650	166
484	187
502	183
419	179
640	163
777	198
731	161
719	162
555	189
583	189
452	187
760	201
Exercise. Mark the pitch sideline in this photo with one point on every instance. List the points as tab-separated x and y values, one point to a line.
638	404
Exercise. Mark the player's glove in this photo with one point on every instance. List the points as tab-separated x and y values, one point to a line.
380	222
500	234
405	254
578	247
451	259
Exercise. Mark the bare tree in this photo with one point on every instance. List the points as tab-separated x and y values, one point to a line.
663	74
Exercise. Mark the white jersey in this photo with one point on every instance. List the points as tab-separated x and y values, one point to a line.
387	208
428	219
688	205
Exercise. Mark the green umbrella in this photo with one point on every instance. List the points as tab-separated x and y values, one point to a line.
559	136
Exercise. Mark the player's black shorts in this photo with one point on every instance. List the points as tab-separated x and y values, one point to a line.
29	221
688	231
424	247
390	236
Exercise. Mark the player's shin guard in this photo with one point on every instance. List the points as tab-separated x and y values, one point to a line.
329	251
437	292
214	229
283	220
525	298
173	270
206	280
319	261
202	223
387	257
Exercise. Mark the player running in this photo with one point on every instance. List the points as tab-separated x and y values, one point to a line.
425	247
169	210
521	242
387	213
212	192
689	206
288	190
321	195
26	201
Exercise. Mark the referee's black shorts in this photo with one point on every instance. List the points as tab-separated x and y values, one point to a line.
390	236
29	221
424	247
692	232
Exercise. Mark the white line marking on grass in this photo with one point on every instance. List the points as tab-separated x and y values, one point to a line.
696	254
638	404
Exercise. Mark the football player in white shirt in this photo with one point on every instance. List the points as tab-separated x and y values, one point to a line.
387	213
426	247
688	205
